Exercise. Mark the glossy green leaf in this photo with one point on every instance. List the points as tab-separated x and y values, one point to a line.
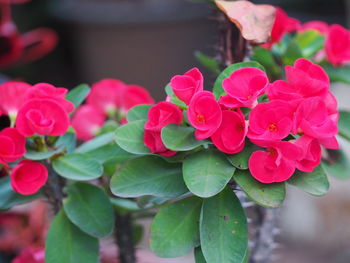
66	243
218	89
78	94
180	138
240	160
149	201
90	209
9	198
175	229
223	229
137	113
108	127
310	42
267	195
337	164
130	137
148	175
210	63
68	141
344	124
96	143
109	152
266	59
315	183
207	172
198	255
34	155
337	74
125	206
77	167
292	53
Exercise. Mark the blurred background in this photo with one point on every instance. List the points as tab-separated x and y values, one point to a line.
146	42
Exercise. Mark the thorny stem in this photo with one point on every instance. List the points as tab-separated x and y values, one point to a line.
124	238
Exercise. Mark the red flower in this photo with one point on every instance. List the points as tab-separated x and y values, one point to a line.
31	255
12	96
48	91
230	136
277	164
111	95
270	121
305	79
319	26
12	145
87	121
28	177
312	118
159	116
243	87
204	113
338	45
188	84
42	117
283	24
311	153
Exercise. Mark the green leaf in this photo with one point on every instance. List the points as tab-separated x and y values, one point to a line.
109	126
130	137
206	173
315	183
89	208
292	53
34	155
337	164
223	229
78	94
175	229
96	142
198	255
9	198
109	152
344	124
210	63
125	206
240	160
180	138
68	141
173	98
337	74
65	243
218	89
137	113
310	42
266	59
77	167
149	201
148	175
267	195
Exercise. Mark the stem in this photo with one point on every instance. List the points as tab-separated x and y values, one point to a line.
53	189
124	238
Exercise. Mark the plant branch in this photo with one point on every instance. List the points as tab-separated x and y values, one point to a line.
124	238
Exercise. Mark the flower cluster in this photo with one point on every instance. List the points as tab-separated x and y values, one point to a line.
108	98
336	48
289	119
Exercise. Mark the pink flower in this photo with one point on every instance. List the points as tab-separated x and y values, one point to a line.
204	113
28	177
270	121
48	91
319	26
87	121
338	45
31	255
305	79
230	136
42	117
12	96
243	87
12	145
283	24
311	153
277	164
312	118
188	84
159	116
111	95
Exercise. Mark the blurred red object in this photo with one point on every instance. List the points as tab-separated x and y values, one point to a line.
22	229
16	48
31	255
